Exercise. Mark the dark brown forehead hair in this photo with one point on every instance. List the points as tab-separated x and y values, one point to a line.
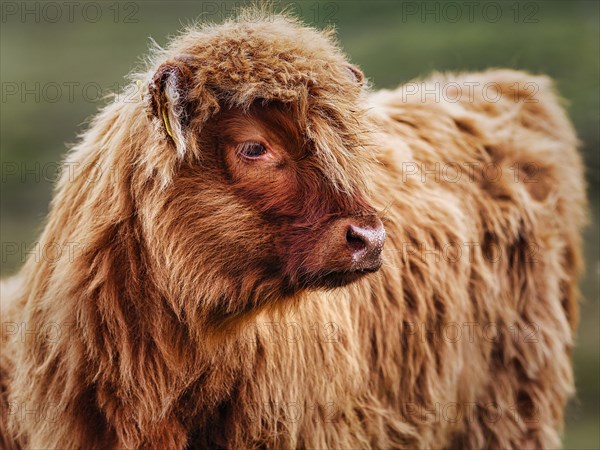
278	120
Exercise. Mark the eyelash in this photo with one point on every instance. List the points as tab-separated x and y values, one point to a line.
248	146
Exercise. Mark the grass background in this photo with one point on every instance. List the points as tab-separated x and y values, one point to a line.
92	46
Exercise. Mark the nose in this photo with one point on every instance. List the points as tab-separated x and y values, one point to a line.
365	241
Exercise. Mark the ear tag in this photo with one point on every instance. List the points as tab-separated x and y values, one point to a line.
165	117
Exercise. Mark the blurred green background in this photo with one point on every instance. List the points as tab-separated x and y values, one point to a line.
59	58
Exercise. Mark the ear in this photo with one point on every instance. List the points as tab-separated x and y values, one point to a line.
355	73
169	92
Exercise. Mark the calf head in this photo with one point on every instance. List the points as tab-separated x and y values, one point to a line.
266	122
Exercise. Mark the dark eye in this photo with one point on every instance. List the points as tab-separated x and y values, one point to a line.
252	150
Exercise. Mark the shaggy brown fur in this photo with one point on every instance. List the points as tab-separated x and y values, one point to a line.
207	305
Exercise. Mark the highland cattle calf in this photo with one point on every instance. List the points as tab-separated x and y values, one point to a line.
266	254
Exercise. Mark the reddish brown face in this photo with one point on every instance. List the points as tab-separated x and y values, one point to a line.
320	237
